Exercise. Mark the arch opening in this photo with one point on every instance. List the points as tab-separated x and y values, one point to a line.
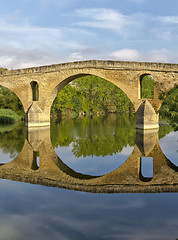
36	161
146	169
89	94
96	125
146	86
35	91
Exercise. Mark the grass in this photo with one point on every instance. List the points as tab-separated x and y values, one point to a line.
8	116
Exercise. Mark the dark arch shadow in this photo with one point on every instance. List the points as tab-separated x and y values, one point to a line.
35	90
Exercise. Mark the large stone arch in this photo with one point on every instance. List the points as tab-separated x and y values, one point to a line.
61	84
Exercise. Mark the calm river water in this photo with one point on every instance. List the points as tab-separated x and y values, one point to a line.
94	147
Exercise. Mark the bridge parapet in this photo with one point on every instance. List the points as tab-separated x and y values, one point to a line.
151	66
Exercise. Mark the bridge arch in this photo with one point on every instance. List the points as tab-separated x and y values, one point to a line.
61	84
35	90
146	87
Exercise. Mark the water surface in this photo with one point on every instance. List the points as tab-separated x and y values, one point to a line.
96	147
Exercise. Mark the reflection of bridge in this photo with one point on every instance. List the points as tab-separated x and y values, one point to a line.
51	79
51	171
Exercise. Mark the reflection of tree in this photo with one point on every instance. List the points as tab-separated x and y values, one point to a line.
164	130
12	140
96	136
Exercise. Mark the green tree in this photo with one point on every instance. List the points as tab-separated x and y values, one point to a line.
169	109
9	100
91	95
147	87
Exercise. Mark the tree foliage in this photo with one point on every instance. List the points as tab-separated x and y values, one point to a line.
8	116
9	100
169	109
91	95
147	87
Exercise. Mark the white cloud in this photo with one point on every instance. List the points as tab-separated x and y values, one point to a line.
75	56
108	19
126	55
26	45
12	57
153	55
168	19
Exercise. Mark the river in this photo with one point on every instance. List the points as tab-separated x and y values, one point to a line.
90	147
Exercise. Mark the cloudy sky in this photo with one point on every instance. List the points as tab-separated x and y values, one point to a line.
40	32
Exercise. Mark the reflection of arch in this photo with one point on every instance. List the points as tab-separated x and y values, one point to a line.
53	172
35	91
69	79
146	86
141	176
35	163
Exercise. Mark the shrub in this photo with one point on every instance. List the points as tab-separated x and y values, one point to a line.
8	116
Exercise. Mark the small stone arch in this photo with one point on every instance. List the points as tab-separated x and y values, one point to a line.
35	91
146	86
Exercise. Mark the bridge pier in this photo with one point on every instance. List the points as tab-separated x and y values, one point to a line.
36	117
146	117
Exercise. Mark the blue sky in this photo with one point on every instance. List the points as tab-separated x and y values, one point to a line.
40	32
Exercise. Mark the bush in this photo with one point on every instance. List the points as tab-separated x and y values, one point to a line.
8	116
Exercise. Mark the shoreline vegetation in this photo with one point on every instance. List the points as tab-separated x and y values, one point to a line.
91	96
7	116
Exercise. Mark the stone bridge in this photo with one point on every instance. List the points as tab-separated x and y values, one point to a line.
125	75
52	171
